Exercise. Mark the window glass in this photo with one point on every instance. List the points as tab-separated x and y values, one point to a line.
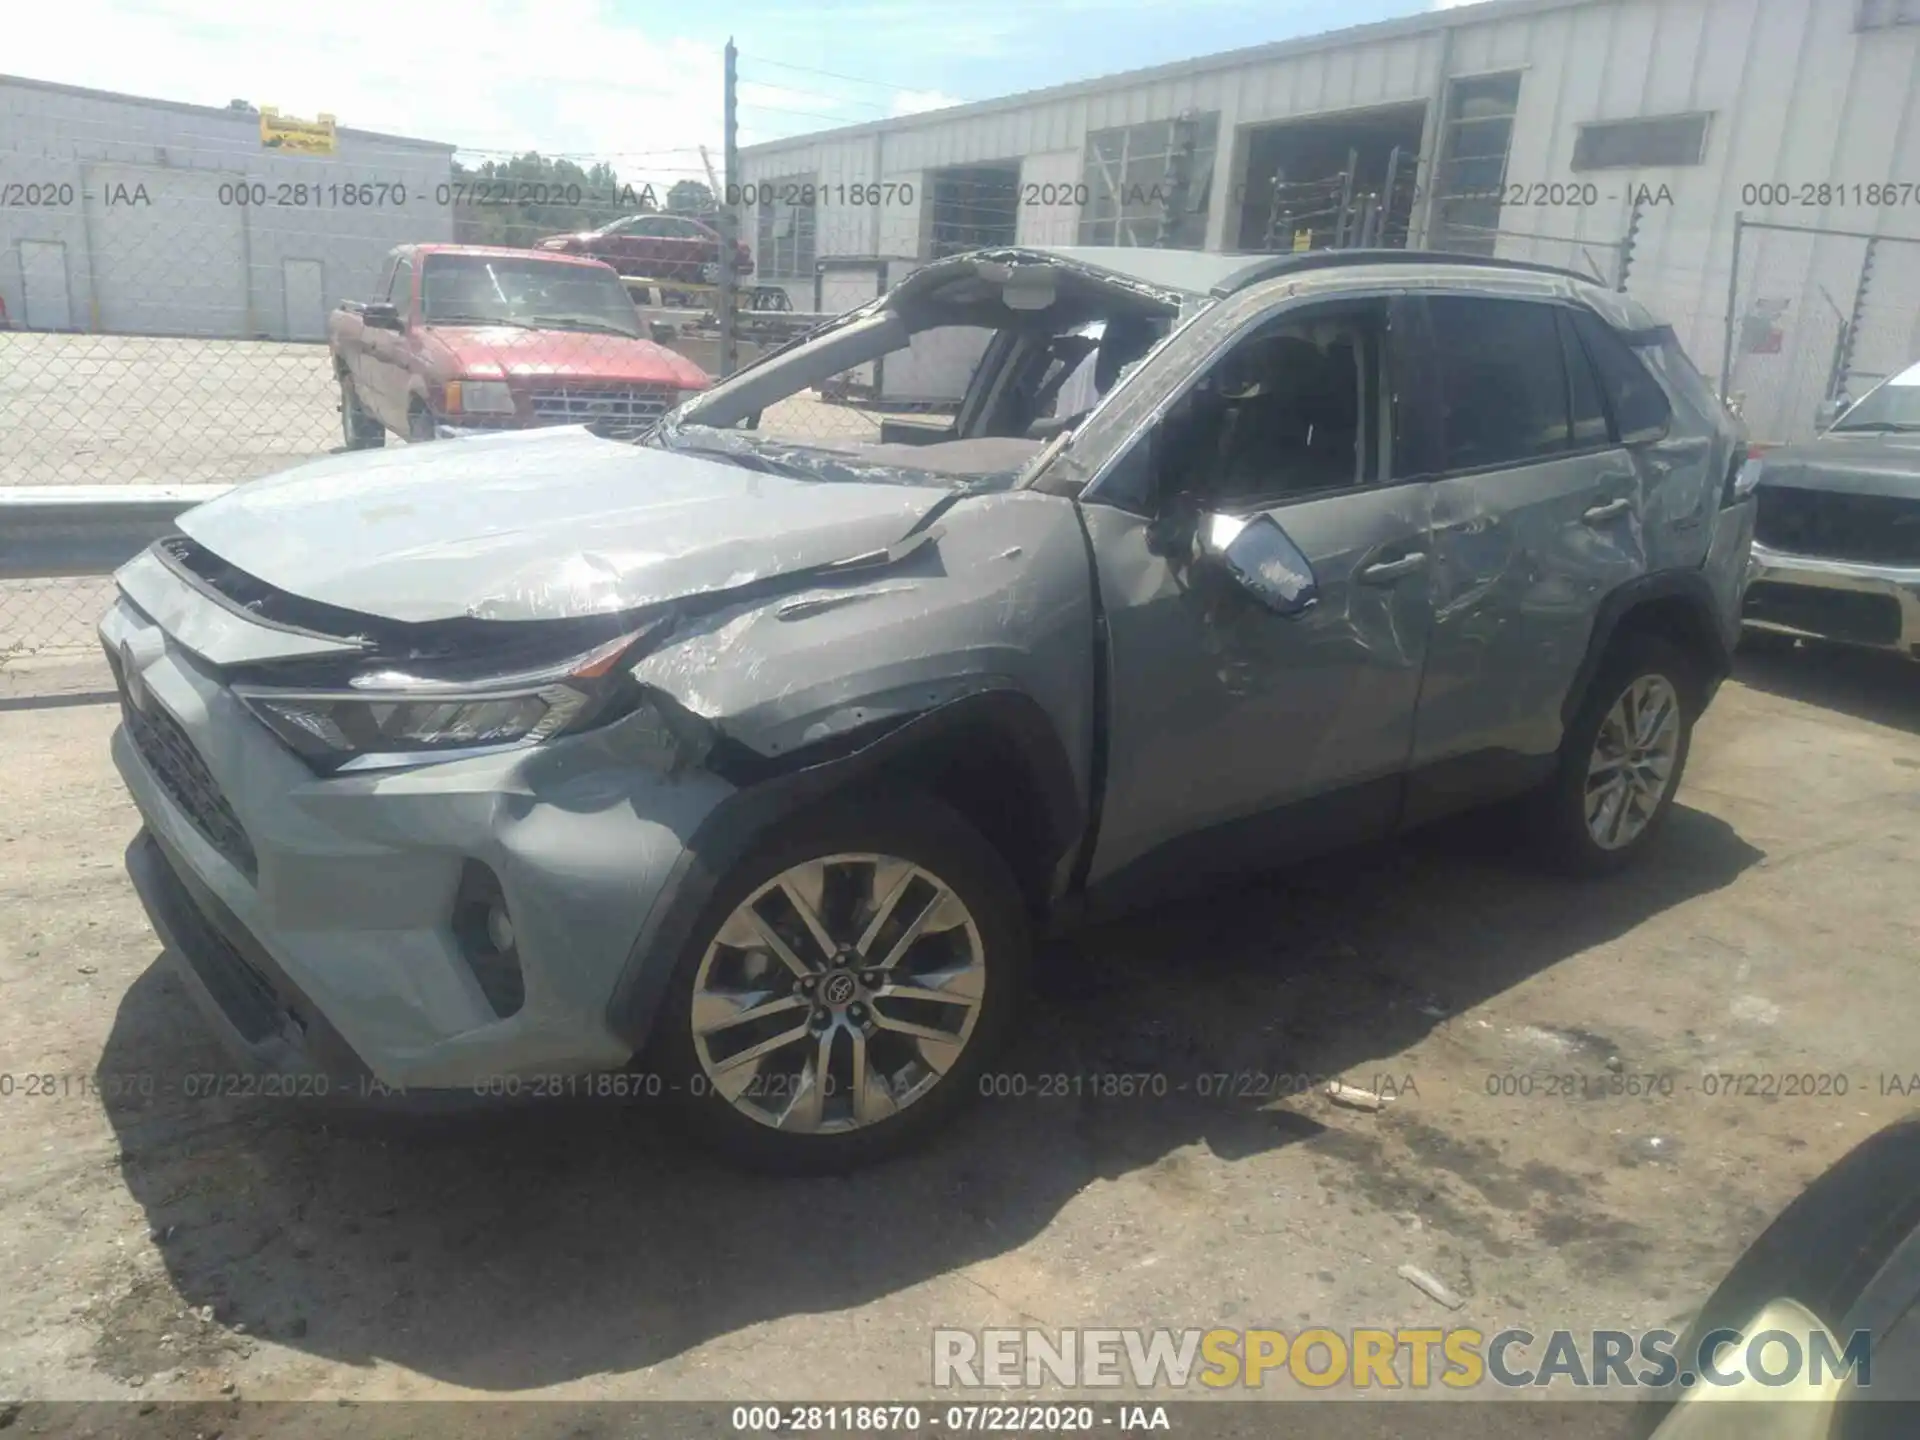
400	290
1149	184
1630	144
1476	136
1502	382
785	227
1589	410
1639	407
1294	409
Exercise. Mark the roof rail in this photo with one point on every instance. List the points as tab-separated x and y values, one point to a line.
1267	267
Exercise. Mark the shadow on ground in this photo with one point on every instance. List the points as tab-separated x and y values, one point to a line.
1871	685
492	1251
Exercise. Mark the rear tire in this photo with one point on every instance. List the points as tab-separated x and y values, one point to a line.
358	429
419	426
886	1090
1622	758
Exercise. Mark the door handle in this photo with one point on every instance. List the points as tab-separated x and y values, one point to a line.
1388	571
1611	510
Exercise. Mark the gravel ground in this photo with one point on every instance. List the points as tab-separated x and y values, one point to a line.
153	1246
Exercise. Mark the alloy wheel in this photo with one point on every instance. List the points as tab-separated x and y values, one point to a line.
838	993
1632	764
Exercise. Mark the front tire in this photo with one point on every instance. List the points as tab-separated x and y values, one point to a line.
845	989
1622	757
358	429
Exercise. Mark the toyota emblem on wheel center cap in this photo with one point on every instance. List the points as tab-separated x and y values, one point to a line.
838	989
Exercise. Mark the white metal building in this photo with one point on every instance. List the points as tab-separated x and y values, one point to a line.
125	215
1525	128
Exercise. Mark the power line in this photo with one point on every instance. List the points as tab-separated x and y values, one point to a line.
810	114
832	74
813	94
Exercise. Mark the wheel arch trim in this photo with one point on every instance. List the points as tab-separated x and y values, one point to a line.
773	793
1690	590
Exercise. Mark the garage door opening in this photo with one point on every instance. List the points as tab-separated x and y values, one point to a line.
971	207
1343	180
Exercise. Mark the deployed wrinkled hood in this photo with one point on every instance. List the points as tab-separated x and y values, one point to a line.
1854	467
538	525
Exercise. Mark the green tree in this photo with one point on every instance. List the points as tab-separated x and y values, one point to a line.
517	201
690	197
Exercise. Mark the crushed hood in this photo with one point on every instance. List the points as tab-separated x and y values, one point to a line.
1850	467
538	525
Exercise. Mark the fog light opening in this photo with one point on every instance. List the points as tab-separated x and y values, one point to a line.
483	925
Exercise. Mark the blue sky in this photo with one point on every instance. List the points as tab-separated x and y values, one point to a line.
634	81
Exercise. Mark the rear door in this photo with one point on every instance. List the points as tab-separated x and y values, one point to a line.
1239	737
1536	517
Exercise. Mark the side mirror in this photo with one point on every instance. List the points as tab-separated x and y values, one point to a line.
381	315
1830	411
1260	558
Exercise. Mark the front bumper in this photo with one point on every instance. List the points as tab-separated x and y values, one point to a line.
1877	606
325	940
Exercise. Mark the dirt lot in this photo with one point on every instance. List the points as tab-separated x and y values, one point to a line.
155	1246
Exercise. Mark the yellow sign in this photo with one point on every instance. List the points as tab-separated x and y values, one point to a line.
296	137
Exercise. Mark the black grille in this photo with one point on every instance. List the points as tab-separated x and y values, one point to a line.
1850	615
1873	529
246	996
184	775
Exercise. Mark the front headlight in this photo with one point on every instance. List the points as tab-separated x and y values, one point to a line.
479	397
387	719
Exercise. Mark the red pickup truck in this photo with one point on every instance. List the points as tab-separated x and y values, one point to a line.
471	337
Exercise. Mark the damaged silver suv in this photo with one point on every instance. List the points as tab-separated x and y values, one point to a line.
741	765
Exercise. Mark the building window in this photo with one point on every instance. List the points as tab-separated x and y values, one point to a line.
972	207
1475	138
786	228
1884	14
1150	184
1630	144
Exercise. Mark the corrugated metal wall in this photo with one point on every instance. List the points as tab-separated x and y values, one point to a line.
1795	96
155	239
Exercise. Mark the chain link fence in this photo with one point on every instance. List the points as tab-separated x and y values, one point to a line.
195	295
1818	316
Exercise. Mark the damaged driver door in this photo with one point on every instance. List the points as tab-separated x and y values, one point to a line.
1258	714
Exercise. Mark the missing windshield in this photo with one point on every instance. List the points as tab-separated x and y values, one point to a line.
962	376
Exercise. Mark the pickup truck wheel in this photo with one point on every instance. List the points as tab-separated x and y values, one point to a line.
358	429
845	989
1622	757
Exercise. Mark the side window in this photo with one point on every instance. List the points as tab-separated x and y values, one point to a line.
1637	403
1589	410
400	289
1296	408
1502	382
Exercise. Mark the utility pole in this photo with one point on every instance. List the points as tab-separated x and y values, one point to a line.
729	214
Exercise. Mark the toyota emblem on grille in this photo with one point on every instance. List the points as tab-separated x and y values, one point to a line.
130	672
